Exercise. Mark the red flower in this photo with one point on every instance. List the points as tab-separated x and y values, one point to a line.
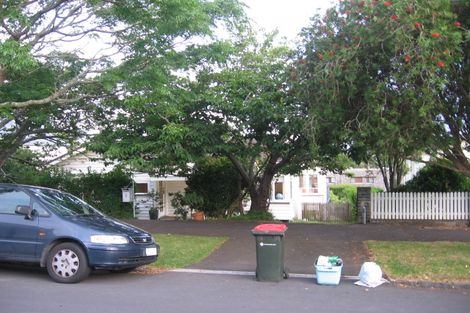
457	24
446	51
388	3
441	64
435	35
418	25
407	58
394	17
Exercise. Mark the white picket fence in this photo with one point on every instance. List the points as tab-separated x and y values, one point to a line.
443	206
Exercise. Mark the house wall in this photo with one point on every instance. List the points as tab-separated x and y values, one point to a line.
309	187
167	189
85	163
361	177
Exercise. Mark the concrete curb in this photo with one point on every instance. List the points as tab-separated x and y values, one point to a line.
249	273
399	283
430	284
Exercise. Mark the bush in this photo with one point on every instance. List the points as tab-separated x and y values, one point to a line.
347	194
433	178
254	216
103	191
213	187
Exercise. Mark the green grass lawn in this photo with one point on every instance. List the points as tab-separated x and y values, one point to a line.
178	251
439	261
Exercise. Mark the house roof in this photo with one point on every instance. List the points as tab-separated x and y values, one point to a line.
142	178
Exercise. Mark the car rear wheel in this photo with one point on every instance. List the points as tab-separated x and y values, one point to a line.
67	263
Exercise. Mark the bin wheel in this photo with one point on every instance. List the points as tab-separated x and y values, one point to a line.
285	273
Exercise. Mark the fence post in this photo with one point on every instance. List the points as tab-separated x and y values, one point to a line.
363	204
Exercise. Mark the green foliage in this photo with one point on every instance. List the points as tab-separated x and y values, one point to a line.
15	57
347	194
434	178
103	191
26	168
381	72
49	88
253	216
213	187
240	106
185	202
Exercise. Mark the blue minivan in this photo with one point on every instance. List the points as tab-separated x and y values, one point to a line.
66	235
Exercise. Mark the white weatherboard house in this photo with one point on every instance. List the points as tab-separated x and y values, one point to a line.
289	193
155	192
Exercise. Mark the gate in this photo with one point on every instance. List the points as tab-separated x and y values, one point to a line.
327	212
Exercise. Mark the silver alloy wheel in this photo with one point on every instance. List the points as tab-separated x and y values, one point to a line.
65	263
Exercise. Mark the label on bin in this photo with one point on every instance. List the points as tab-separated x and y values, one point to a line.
262	244
270	228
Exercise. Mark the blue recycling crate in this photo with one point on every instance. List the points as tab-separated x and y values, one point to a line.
328	275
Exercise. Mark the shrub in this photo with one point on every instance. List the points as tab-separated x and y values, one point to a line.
347	194
254	216
213	186
344	194
433	178
103	191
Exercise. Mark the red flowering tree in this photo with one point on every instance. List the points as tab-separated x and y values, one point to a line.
388	80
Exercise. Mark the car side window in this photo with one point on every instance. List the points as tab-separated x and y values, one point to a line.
40	209
11	198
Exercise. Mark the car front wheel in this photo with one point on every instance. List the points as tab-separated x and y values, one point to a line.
67	263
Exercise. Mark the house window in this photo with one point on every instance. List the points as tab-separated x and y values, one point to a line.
331	180
141	188
308	183
278	190
370	179
357	180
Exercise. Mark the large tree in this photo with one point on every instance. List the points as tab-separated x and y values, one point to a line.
240	105
59	59
373	74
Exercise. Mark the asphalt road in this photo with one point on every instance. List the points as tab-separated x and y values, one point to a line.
24	290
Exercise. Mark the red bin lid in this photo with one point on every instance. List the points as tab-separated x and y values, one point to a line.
270	228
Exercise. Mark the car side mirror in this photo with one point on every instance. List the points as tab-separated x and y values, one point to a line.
25	210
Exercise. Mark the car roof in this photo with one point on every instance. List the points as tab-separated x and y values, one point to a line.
26	186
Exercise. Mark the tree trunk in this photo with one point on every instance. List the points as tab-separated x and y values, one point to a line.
392	173
3	75
259	187
260	192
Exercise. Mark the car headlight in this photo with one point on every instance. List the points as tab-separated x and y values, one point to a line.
109	239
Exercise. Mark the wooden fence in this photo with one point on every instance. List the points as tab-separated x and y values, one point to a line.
444	206
327	212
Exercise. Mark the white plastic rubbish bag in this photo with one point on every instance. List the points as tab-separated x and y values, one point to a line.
370	275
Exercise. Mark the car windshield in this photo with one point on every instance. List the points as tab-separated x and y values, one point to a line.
65	204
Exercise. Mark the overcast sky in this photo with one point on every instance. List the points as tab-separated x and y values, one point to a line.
288	16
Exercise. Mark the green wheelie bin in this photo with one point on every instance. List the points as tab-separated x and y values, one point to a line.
270	252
